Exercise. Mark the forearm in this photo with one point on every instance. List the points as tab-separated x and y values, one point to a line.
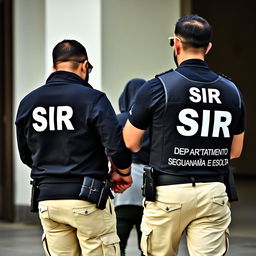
25	154
133	137
237	146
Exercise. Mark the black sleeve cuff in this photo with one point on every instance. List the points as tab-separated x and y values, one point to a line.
123	159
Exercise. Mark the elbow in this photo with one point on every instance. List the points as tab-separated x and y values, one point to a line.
235	155
133	147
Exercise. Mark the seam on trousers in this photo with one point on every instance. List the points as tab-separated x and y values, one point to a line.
46	247
226	243
110	207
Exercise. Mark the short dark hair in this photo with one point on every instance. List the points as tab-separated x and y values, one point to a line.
68	50
195	30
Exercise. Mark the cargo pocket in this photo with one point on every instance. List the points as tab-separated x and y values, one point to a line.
47	222
45	245
220	200
159	209
89	220
219	207
145	243
168	207
110	245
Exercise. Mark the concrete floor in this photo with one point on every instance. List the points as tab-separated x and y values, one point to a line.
17	239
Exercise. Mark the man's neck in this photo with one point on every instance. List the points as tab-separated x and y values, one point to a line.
69	70
189	57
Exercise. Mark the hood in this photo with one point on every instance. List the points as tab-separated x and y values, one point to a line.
127	97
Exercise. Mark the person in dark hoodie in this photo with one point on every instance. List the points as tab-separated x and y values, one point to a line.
128	205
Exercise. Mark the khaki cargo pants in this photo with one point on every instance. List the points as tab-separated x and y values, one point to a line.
201	211
72	227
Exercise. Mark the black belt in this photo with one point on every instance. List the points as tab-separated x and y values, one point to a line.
167	179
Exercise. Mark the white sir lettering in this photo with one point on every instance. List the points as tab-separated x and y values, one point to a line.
222	119
37	117
206	95
218	124
63	115
184	117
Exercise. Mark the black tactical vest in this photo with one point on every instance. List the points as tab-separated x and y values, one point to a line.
195	133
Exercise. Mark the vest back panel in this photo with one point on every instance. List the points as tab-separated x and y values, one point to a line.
195	134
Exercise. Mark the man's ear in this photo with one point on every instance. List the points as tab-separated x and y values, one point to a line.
177	46
84	66
83	69
209	47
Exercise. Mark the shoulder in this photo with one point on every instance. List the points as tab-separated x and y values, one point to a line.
155	84
34	93
86	95
231	88
150	92
224	76
96	93
228	82
80	88
164	73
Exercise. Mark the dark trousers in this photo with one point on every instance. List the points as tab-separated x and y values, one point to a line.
127	217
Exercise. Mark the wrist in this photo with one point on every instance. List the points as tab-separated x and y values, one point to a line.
123	174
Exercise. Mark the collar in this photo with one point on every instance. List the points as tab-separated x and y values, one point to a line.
194	62
66	77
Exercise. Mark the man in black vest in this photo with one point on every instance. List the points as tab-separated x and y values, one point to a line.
196	119
64	129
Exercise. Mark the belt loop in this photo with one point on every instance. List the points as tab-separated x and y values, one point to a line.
193	181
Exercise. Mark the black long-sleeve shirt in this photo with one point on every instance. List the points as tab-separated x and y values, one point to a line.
64	128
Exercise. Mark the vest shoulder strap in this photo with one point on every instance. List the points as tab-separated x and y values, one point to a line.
168	79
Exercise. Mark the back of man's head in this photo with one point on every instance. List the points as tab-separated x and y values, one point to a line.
195	31
69	50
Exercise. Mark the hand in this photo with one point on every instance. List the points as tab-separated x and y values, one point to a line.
120	183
